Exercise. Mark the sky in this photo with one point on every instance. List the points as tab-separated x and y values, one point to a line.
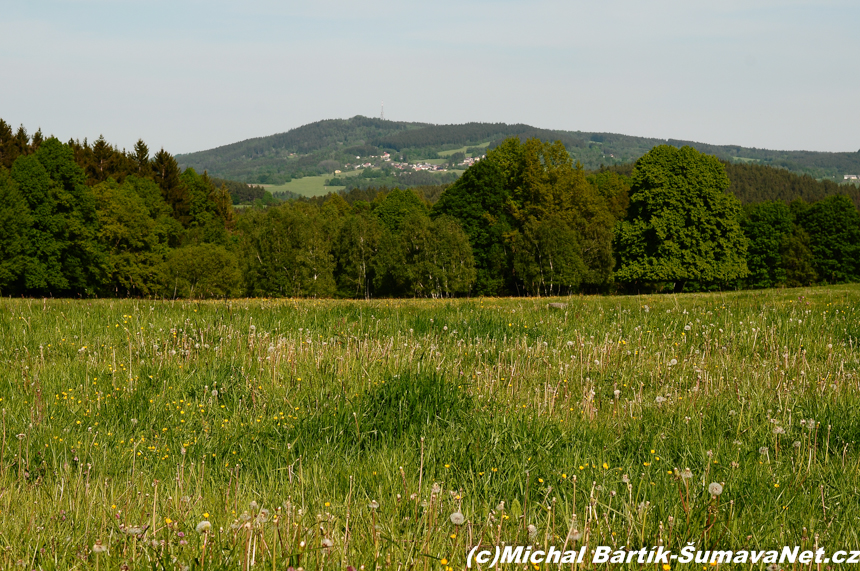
190	75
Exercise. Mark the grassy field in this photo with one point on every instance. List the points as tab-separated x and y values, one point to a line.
310	185
462	149
399	434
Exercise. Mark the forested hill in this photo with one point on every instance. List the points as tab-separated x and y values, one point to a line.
325	146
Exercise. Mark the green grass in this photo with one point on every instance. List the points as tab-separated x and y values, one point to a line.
462	149
311	185
283	422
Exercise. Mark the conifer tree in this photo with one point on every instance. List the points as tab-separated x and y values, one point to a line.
175	193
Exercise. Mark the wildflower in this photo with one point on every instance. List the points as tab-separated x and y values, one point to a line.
437	489
575	535
687	327
715	489
616	392
673	362
762	450
625	478
532	532
773	567
214	393
687	474
457	518
796	444
327	543
778	430
660	399
98	547
373	504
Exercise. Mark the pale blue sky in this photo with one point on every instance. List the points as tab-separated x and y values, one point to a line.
191	75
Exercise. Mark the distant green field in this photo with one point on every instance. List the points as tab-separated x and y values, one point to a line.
461	149
310	185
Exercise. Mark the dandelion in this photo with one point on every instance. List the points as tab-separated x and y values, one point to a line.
457	518
762	450
327	543
533	531
575	535
616	392
778	430
797	444
98	547
673	362
373	504
687	474
660	399
715	489
203	526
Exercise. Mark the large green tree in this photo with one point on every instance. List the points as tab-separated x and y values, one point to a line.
681	226
766	226
15	225
833	225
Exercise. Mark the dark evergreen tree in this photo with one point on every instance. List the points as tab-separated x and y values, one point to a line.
176	194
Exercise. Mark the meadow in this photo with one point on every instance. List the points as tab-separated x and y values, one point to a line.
310	185
397	434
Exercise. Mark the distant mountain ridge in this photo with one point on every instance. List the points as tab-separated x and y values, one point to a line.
316	148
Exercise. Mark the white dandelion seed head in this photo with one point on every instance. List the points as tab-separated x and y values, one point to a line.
99	547
533	531
673	362
203	526
687	474
762	450
715	489
778	430
796	444
660	399
326	543
457	518
373	504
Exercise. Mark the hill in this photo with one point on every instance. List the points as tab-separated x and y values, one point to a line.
323	147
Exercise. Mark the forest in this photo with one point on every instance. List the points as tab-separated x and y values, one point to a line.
80	219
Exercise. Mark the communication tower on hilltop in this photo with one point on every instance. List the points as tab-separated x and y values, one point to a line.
382	112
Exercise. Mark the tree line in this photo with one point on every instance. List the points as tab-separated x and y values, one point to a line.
81	219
